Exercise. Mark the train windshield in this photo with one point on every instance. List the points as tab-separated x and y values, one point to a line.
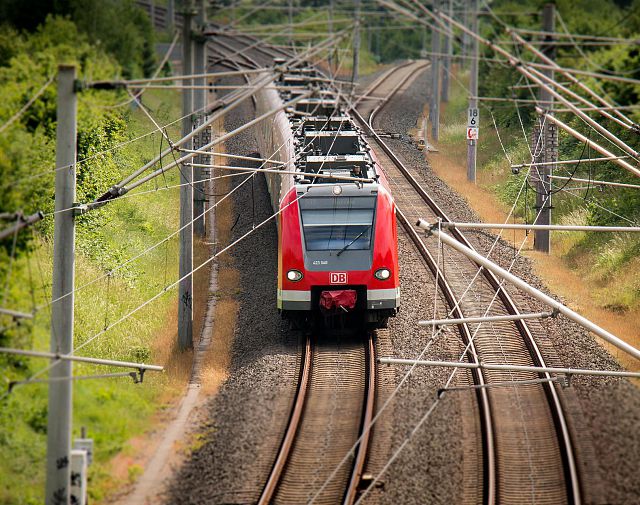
337	223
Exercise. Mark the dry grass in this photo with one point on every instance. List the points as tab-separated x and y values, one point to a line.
215	369
579	295
218	358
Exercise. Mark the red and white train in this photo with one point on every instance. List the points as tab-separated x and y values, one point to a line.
337	234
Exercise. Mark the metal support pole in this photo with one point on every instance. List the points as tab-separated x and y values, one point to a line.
466	5
548	227
171	14
527	288
330	23
80	359
199	102
290	29
60	392
434	109
473	90
356	45
546	146
448	51
486	319
509	368
185	291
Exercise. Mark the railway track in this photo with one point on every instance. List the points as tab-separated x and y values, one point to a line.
333	405
527	448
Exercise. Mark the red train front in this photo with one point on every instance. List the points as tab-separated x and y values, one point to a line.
338	252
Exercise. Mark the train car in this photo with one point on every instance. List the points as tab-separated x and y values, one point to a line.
337	233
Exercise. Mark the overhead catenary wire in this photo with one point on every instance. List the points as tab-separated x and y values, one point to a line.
430	410
227	104
538	78
48	304
113	195
132	375
595	182
424	350
107	328
543	57
97	155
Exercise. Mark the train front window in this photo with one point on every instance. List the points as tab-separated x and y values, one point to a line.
337	223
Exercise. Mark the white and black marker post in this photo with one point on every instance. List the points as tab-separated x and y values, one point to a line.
60	390
474	116
185	289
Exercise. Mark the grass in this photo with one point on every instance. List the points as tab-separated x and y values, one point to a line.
113	410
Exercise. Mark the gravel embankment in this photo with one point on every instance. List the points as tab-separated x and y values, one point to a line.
605	413
439	464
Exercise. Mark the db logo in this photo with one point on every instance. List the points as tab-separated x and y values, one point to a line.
338	277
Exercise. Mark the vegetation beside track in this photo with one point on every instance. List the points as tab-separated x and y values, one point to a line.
29	55
608	262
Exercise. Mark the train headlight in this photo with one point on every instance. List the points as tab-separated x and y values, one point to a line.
294	275
382	274
337	190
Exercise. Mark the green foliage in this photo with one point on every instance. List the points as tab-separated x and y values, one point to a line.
105	239
118	26
595	205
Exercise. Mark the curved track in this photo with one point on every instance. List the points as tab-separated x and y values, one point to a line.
528	451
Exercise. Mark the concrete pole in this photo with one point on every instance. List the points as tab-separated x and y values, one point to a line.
60	391
356	44
185	291
290	30
330	23
434	109
199	101
466	5
547	145
448	51
171	16
473	90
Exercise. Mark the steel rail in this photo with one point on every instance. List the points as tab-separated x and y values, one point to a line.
395	90
486	422
296	419
365	431
292	427
572	480
488	441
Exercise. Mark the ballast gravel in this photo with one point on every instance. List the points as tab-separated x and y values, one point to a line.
604	412
429	452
